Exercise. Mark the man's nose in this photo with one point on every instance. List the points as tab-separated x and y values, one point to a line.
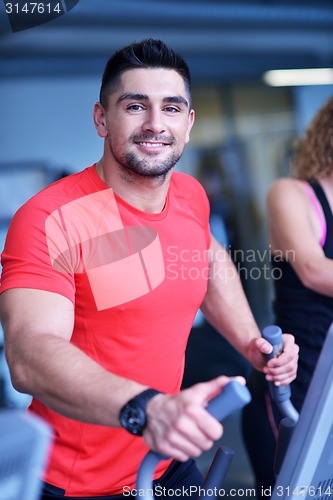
154	122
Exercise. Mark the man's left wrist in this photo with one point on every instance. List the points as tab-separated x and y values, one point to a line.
133	416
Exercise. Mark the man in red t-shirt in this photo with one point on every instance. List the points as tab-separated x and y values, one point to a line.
103	273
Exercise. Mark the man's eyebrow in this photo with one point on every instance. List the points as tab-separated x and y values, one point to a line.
178	99
135	96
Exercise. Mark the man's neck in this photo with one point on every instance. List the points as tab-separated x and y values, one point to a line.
147	194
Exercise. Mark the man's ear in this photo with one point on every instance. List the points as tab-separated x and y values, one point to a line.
99	120
191	118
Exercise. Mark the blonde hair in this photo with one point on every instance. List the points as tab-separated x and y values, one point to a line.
313	153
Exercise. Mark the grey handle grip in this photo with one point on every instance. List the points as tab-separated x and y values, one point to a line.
273	334
233	397
280	394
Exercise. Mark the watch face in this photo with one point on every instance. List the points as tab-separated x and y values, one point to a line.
133	418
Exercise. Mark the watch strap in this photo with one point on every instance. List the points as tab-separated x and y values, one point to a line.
143	397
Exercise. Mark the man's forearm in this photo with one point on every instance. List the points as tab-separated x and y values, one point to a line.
68	381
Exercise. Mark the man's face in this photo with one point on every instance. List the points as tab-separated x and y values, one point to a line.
148	121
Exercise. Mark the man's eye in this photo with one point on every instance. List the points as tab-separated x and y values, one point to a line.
135	107
171	109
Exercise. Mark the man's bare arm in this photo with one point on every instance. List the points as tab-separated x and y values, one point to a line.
227	309
38	327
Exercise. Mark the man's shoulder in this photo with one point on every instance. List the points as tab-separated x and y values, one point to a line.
190	193
60	192
181	180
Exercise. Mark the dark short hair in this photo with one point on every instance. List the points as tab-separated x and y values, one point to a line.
146	54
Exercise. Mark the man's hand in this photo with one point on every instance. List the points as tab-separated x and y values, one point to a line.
281	370
179	426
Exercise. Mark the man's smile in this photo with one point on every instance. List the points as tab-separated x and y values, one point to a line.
153	144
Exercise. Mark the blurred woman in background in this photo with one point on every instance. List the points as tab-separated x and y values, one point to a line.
300	223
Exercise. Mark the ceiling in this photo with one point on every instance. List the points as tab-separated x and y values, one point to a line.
226	42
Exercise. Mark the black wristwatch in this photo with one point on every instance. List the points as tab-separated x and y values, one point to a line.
133	415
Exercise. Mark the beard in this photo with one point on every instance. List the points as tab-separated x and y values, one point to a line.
145	167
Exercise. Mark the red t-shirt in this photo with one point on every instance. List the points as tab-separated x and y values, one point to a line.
136	281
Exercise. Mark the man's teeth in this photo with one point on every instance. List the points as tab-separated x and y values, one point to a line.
152	144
